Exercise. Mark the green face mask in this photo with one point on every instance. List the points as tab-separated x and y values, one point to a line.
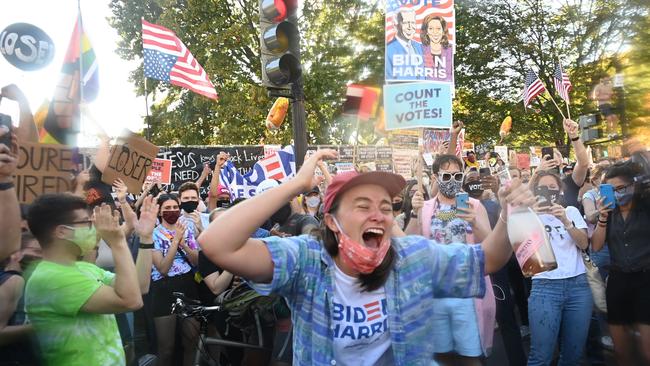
85	238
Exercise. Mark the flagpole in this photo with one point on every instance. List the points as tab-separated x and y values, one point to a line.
146	104
566	101
81	63
356	143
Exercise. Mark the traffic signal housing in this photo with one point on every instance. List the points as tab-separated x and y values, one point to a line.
279	43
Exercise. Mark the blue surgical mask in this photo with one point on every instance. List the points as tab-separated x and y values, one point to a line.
623	199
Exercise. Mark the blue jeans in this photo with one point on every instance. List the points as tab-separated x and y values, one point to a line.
559	309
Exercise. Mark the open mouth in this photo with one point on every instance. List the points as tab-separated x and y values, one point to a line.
372	237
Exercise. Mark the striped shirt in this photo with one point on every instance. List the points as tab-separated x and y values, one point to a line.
304	273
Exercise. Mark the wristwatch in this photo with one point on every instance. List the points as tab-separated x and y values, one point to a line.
414	214
574	139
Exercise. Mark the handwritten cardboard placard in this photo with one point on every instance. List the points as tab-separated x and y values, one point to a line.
43	168
131	159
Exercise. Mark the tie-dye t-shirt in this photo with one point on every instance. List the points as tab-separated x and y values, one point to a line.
68	336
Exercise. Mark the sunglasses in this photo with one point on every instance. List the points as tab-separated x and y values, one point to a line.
446	177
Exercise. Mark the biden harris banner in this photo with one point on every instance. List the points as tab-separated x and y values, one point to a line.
415	105
420	40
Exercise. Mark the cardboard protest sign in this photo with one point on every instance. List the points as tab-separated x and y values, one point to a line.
523	161
408	139
43	168
403	160
161	171
414	105
433	139
131	160
412	55
503	152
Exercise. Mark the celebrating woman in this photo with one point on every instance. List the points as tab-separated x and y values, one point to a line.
626	229
358	295
559	306
174	246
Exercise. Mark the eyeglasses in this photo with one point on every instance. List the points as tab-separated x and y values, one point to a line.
622	189
446	177
87	222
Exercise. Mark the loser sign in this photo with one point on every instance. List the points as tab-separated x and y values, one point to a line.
43	168
131	160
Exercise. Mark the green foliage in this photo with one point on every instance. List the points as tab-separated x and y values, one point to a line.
343	42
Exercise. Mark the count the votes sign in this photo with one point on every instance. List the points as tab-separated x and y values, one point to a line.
415	105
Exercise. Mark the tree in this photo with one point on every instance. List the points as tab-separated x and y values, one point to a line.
224	37
343	42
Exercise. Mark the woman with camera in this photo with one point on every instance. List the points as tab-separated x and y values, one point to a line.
625	227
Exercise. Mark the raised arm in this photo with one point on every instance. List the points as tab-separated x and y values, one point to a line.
26	130
125	294
144	229
453	140
496	246
204	174
9	208
226	242
222	158
600	233
582	156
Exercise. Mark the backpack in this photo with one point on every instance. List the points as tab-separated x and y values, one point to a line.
242	303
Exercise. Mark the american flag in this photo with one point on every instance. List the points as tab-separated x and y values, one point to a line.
443	8
562	82
533	88
166	58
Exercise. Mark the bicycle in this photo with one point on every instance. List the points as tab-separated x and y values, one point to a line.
190	308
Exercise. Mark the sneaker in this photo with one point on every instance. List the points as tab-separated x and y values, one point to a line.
524	330
606	341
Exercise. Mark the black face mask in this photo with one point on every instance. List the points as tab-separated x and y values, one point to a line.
189	206
223	203
474	189
398	205
282	215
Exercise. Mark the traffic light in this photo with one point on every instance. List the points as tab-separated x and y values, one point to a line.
279	43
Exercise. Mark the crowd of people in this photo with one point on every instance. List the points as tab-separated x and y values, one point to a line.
356	268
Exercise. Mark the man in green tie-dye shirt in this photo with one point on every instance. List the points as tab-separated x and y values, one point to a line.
71	304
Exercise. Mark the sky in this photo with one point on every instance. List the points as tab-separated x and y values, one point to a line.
116	106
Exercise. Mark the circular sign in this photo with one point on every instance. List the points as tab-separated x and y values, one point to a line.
26	46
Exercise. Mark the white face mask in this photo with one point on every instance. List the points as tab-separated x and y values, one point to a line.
312	202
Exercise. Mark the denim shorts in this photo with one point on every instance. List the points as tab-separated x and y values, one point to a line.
455	327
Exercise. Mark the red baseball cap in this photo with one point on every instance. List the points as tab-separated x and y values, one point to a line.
393	183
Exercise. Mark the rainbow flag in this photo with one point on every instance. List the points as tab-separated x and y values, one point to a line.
58	119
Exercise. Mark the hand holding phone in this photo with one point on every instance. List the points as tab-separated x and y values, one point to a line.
462	200
607	193
5	130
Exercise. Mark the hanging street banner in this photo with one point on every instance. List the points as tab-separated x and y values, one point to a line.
420	40
415	105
